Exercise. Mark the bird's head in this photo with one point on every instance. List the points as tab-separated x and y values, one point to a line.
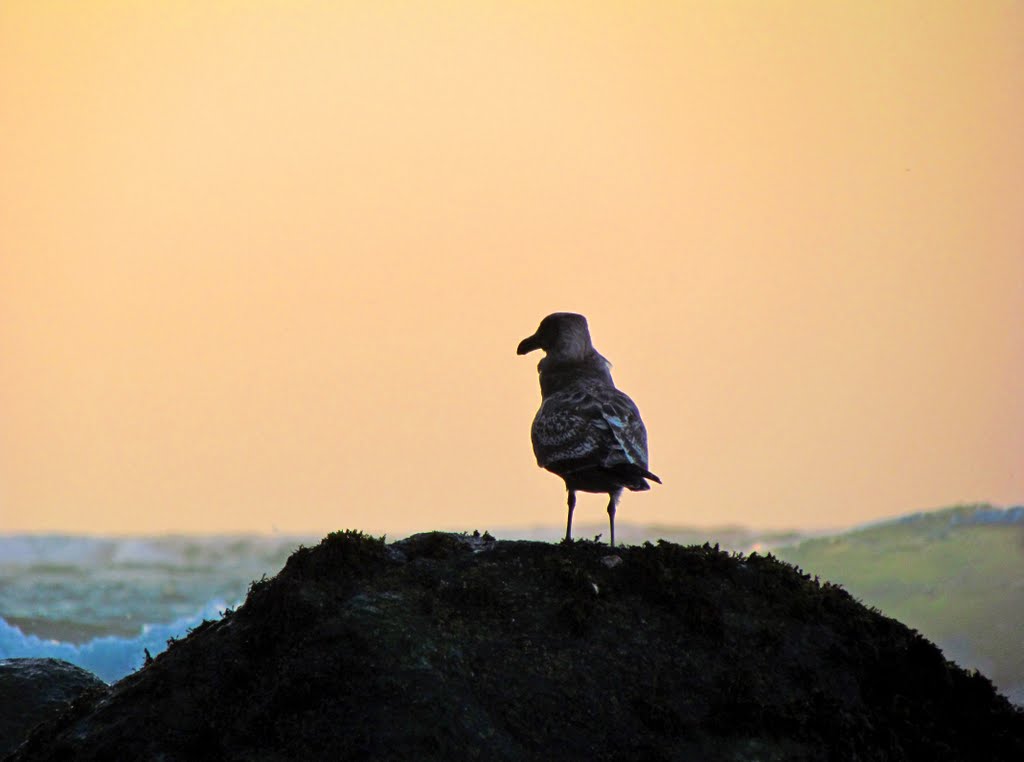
563	335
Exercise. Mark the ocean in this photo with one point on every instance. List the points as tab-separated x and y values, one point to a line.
101	602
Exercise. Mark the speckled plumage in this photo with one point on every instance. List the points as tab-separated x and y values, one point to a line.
586	431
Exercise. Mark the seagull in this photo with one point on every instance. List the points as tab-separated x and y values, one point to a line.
586	430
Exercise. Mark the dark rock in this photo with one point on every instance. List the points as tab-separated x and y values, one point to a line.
34	690
440	648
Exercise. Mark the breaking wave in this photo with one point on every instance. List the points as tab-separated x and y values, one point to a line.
109	657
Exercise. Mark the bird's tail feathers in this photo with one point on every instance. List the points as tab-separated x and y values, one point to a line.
635	476
648	475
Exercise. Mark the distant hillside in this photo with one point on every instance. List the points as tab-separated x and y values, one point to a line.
457	647
957	575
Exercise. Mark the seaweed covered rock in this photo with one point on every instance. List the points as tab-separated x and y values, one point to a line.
34	690
447	646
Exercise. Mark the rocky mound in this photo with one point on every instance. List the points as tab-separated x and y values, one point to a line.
457	647
33	690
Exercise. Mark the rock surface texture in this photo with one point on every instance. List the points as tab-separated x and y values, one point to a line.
453	647
34	690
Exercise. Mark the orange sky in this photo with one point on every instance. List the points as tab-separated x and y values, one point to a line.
265	265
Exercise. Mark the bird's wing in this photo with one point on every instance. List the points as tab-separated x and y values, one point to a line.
617	413
563	440
597	427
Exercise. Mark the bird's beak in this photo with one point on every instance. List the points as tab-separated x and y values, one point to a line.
528	344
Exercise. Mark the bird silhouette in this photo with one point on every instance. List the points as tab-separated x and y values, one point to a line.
586	431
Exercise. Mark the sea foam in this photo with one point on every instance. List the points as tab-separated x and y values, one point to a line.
109	657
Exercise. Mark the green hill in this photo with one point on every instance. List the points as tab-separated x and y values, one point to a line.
956	575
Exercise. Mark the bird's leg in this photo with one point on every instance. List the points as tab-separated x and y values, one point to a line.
613	499
572	507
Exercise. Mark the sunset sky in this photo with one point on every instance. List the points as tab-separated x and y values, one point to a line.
264	265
